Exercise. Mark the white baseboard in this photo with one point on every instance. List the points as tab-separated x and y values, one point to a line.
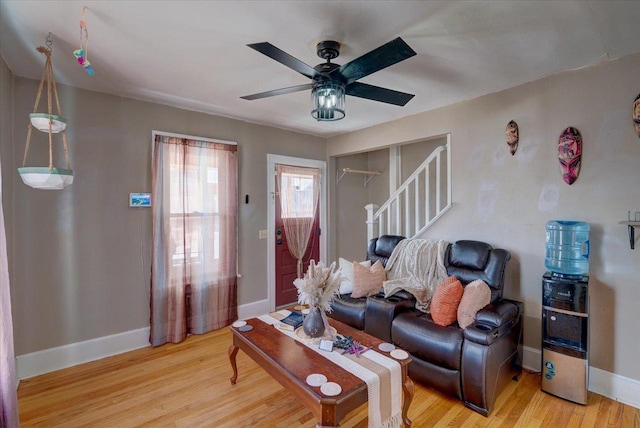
61	357
532	358
48	360
253	309
614	386
607	384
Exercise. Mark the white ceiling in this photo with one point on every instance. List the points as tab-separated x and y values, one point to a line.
193	54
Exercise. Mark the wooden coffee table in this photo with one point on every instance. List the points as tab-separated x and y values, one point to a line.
290	362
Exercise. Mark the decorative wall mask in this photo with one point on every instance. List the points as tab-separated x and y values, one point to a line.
570	154
636	114
513	136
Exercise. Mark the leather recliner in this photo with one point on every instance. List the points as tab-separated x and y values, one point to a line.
472	364
352	311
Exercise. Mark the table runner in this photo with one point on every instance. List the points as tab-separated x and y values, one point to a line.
384	405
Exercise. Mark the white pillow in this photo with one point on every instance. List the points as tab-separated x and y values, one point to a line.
346	274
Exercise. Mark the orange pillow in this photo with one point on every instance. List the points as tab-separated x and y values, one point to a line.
445	301
367	281
476	296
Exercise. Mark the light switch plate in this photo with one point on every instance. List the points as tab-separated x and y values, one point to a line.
262	234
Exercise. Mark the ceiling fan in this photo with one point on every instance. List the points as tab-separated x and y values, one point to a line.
331	82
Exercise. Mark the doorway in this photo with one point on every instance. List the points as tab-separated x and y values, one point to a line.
282	267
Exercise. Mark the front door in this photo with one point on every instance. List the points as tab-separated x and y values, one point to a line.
285	264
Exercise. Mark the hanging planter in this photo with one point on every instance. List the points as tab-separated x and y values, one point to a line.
42	121
43	177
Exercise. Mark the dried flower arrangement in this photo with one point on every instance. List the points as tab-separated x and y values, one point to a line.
317	289
319	286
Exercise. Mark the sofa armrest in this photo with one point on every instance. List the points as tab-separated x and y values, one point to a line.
494	321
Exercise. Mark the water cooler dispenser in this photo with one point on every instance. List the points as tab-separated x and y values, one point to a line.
565	311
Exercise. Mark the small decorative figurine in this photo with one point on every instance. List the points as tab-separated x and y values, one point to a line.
349	346
513	136
636	114
570	154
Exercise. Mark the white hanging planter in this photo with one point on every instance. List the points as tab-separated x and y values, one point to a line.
41	177
41	122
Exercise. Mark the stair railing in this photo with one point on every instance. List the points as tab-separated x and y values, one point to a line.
419	202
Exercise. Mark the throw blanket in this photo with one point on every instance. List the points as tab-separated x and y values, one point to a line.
416	266
381	374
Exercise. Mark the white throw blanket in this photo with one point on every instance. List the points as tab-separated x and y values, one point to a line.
416	266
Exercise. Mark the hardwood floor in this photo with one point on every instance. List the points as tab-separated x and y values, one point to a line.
187	385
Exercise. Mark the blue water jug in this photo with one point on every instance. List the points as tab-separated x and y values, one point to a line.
567	247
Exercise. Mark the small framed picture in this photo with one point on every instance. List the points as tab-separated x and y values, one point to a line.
139	200
326	345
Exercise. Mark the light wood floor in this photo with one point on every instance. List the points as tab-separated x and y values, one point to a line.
187	385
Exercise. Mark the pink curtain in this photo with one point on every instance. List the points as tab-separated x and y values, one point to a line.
299	189
194	254
8	397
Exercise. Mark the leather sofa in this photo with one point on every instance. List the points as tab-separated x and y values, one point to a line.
472	364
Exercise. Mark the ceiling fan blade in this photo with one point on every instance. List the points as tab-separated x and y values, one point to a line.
376	93
275	92
388	54
284	58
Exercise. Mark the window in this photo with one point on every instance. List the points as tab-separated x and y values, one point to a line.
201	209
297	194
194	254
196	175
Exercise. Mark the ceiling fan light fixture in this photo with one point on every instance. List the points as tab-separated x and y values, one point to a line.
328	101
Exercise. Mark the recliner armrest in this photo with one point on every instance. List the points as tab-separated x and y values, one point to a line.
498	313
381	311
494	321
491	354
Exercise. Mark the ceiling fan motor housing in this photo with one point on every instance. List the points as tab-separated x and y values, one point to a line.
328	49
326	68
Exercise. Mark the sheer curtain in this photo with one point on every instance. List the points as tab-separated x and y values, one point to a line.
194	254
299	189
8	397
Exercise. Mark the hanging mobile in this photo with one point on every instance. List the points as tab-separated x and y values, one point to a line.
47	177
82	54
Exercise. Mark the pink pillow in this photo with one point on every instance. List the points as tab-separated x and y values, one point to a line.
346	274
367	281
476	296
445	301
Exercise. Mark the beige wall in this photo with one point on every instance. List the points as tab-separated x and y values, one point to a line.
507	200
81	255
378	187
348	227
